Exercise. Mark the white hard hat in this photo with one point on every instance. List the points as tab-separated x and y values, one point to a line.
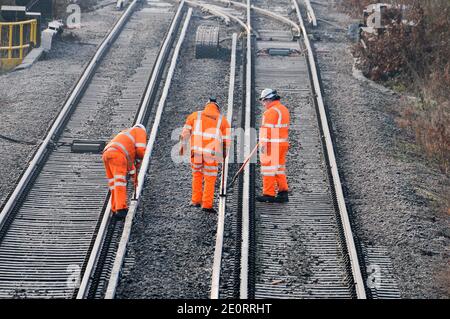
141	126
268	94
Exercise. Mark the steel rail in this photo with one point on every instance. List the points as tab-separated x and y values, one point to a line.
356	271
121	252
217	264
64	113
159	62
245	241
97	248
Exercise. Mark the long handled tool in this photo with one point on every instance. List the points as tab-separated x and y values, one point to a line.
135	177
135	183
247	160
135	186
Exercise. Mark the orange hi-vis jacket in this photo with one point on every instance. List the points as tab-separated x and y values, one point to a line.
209	131
275	125
132	143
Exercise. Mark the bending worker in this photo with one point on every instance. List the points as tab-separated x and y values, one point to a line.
123	156
274	143
209	134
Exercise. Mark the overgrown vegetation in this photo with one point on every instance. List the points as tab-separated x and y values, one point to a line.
413	53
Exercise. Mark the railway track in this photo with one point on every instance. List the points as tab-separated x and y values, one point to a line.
309	224
54	247
56	227
304	248
122	249
174	238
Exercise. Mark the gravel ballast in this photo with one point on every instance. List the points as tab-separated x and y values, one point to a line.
391	189
172	244
31	99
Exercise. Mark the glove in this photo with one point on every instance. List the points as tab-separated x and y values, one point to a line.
132	172
138	164
183	144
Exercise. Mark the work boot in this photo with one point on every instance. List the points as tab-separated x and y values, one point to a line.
209	210
282	197
121	214
266	199
194	204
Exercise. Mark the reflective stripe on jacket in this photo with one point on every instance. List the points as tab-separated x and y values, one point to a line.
275	124
208	130
132	143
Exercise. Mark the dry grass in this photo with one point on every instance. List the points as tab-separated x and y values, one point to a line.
430	123
444	278
417	60
354	7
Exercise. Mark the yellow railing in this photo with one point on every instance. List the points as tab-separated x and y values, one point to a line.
16	40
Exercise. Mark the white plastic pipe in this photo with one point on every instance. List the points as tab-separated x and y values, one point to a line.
264	12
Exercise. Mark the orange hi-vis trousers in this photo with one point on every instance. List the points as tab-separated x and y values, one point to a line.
204	170
273	169
116	171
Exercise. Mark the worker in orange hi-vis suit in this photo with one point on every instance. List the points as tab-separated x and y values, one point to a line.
210	136
121	157
274	143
